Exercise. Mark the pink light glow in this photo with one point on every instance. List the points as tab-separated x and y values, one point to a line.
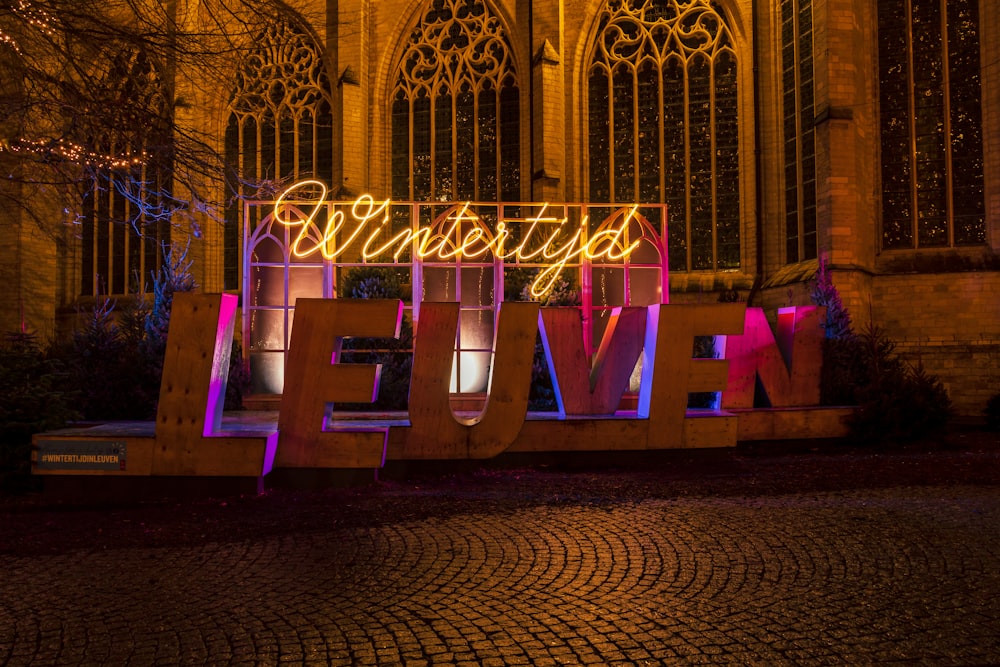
220	365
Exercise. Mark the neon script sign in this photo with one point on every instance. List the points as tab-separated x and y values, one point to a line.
547	241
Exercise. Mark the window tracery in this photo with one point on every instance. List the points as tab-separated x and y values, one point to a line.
456	109
663	122
125	223
455	128
280	127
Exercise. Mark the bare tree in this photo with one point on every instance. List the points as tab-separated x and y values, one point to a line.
88	89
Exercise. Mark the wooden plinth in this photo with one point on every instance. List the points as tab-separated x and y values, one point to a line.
792	423
186	446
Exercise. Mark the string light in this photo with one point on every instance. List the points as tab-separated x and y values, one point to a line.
9	41
73	152
35	16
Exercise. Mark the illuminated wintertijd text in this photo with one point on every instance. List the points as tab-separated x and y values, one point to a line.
545	240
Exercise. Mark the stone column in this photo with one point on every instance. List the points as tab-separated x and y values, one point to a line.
846	131
546	100
352	97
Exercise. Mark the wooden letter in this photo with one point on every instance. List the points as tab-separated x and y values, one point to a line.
580	389
669	372
314	380
788	367
434	430
192	392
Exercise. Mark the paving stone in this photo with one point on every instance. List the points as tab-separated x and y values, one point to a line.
529	566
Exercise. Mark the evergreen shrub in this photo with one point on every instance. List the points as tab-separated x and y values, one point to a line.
896	401
32	399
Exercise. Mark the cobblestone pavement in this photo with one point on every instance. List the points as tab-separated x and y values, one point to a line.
805	559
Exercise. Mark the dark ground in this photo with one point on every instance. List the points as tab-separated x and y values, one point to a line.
38	524
772	554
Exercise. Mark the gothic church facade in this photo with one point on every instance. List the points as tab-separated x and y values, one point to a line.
863	135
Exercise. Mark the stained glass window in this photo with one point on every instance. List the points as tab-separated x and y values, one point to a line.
663	123
798	117
125	224
456	109
280	127
456	137
931	124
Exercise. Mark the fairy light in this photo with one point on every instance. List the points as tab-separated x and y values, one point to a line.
11	42
35	17
39	19
73	152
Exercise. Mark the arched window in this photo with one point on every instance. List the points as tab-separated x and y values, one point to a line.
798	115
125	217
275	278
280	127
456	136
931	124
456	110
663	123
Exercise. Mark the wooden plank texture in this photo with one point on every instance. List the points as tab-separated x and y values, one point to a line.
582	389
199	323
669	345
315	380
435	431
510	381
192	392
788	363
793	423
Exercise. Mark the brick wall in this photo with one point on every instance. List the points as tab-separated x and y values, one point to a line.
950	323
